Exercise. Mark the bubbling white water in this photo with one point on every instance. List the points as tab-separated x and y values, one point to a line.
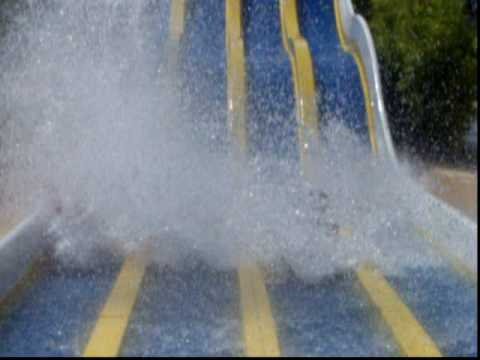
91	117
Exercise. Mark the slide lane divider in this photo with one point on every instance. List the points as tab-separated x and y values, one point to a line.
407	331
259	328
304	82
176	30
236	79
409	334
348	48
107	335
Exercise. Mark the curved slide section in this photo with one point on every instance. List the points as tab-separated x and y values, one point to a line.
356	39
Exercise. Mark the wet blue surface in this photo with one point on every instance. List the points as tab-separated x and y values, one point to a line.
337	77
271	98
55	316
330	318
445	304
204	69
156	25
194	311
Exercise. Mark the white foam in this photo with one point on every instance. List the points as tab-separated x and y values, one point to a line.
89	123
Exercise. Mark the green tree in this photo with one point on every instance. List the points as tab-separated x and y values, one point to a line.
428	53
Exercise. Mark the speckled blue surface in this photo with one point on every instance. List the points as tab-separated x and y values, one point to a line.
329	318
55	316
271	99
156	26
445	304
194	311
204	70
336	74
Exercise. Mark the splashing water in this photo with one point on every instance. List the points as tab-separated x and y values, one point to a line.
90	117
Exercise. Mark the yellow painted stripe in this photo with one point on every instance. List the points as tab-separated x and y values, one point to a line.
457	265
395	313
304	82
176	31
236	78
106	338
409	334
177	19
259	328
351	49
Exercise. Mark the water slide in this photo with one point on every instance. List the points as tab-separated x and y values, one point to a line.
266	75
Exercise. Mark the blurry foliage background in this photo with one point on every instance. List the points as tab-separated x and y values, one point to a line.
428	55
